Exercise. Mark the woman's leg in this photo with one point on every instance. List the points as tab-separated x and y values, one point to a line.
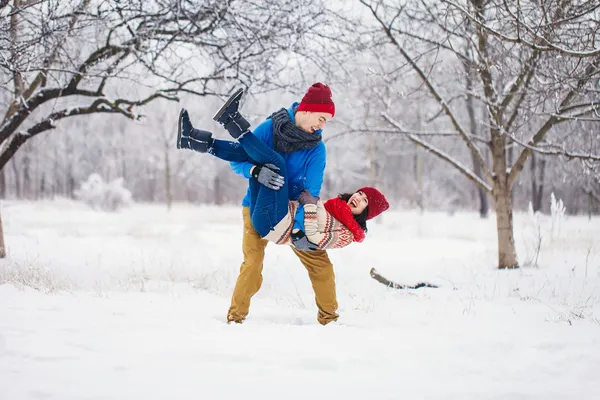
268	206
260	152
229	151
202	141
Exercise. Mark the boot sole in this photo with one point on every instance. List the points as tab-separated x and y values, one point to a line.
238	93
179	129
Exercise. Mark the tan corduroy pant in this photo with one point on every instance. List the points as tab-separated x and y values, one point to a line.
320	272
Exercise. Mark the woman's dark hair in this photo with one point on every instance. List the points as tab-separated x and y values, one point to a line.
360	218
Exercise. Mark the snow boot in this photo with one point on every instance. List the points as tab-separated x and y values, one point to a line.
230	117
191	138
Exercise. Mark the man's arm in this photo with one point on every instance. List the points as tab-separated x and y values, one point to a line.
314	180
262	132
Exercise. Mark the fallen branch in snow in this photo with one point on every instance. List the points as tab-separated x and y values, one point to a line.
375	275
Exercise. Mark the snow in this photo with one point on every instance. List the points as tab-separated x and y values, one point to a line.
97	305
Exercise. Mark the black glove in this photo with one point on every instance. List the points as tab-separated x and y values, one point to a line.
268	175
307	198
302	243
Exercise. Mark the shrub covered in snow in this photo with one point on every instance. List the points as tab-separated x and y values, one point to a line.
557	210
101	195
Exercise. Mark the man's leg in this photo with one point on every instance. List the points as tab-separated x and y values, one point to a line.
320	272
250	277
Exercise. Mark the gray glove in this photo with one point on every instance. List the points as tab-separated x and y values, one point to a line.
302	243
307	198
268	176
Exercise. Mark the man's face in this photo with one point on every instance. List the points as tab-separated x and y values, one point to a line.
311	121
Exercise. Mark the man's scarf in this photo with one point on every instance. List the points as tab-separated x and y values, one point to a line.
287	137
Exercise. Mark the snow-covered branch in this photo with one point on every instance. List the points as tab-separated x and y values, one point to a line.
545	47
431	89
421	133
555	150
441	154
550	122
87	49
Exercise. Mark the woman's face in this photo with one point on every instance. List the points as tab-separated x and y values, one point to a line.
358	202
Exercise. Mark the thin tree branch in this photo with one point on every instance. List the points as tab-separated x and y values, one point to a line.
41	76
379	278
554	119
523	79
434	92
517	105
98	106
558	152
441	154
549	46
395	132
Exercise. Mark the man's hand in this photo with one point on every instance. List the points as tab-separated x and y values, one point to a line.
302	243
307	198
268	176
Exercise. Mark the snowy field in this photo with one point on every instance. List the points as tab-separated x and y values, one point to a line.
132	305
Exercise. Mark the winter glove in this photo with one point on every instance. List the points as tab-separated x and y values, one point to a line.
307	198
268	176
301	242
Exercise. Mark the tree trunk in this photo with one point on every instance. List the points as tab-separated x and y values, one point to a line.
17	178
507	255
540	193
26	176
2	184
150	188
216	191
483	200
534	191
70	185
510	156
17	77
2	245
537	187
168	191
326	187
419	177
56	182
373	162
43	186
419	168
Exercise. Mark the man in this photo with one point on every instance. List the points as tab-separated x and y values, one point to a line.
296	134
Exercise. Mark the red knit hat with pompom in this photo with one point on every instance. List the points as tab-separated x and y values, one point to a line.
377	201
318	99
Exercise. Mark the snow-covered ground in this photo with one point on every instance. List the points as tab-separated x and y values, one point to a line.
132	305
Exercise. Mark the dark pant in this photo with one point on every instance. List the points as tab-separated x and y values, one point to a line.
267	206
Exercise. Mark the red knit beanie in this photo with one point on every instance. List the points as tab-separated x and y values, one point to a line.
377	201
318	99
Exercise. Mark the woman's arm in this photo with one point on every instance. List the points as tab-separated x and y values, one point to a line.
315	221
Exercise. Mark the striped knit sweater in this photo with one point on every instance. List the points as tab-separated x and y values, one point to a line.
321	228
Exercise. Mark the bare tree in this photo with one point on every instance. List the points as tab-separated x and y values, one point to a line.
536	65
67	58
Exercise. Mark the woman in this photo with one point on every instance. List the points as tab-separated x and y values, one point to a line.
333	224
